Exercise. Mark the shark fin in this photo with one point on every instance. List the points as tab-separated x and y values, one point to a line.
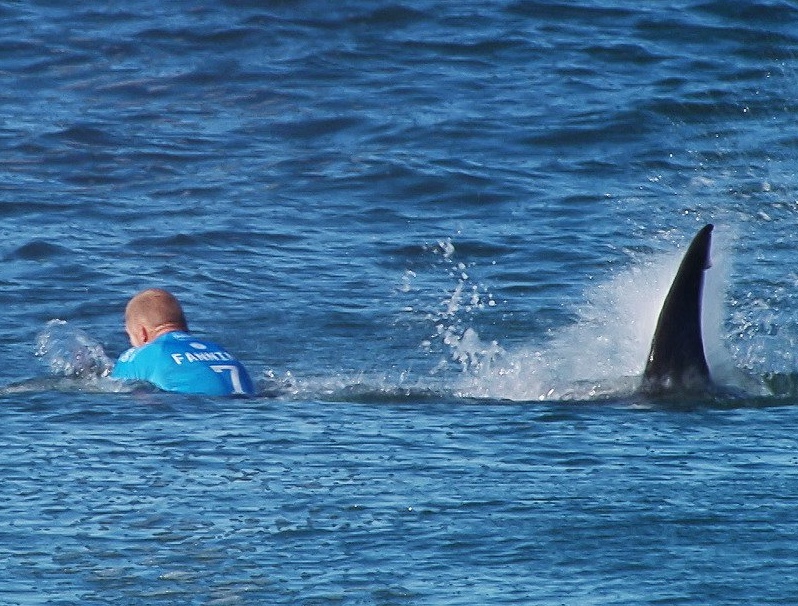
676	361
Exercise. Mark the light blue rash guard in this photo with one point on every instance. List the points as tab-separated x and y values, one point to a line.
179	361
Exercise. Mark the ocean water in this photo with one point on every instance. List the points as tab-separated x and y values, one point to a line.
438	234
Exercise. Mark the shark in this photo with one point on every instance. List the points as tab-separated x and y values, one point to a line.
677	361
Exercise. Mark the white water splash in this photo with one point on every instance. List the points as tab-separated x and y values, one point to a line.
453	313
603	352
70	352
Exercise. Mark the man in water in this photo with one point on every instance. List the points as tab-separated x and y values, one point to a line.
165	354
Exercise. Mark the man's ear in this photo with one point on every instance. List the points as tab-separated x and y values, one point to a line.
144	334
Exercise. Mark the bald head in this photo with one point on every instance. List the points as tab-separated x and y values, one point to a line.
151	313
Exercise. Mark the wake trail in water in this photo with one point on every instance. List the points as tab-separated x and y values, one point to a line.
600	355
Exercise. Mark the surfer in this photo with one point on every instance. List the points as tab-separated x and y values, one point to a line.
166	355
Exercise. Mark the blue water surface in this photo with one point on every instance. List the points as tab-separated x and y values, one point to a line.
439	235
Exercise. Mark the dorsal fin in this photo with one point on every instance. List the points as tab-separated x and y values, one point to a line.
676	360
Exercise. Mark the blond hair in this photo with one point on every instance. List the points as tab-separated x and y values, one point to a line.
156	308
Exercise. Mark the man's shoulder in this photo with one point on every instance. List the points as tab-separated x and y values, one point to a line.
138	356
128	355
134	363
